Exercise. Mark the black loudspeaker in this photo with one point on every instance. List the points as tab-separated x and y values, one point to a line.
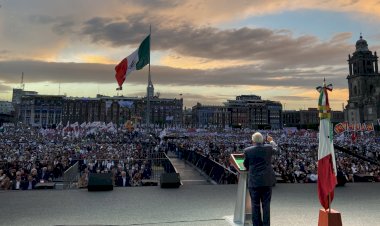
170	180
100	182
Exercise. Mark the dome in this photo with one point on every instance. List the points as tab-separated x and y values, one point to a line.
361	44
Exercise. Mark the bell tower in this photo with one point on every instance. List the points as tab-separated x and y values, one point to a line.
363	84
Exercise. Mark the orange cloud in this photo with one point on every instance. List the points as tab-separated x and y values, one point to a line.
220	11
186	62
95	59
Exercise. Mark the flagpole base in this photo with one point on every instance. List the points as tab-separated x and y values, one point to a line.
327	218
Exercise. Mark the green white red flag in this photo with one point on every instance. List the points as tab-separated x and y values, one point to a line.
326	156
135	61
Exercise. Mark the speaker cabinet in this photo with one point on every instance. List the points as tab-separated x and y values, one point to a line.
170	180
100	182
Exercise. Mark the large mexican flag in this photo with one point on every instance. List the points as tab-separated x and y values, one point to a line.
136	61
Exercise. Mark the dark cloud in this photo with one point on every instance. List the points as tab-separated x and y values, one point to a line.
59	25
277	48
37	71
149	4
115	32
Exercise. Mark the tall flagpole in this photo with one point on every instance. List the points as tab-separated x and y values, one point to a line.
149	82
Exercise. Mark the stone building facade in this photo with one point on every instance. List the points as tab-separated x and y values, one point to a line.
41	110
363	85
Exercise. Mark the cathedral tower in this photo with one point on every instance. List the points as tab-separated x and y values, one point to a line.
363	85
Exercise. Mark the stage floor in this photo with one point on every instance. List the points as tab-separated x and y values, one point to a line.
203	205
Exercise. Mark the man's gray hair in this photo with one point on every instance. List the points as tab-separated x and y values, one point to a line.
257	138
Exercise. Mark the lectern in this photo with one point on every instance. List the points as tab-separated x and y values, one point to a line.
243	210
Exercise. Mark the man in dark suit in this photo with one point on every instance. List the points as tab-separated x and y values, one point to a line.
261	177
29	184
123	180
44	175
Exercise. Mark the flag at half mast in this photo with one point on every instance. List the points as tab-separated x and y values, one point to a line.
326	156
136	61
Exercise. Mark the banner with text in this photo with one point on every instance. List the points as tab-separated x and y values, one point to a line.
357	127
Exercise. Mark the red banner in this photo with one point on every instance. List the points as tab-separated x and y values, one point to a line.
357	127
339	128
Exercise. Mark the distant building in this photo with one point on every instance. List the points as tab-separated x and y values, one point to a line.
41	110
16	100
119	109
337	116
308	119
7	112
205	116
246	111
6	108
163	111
363	85
188	118
291	118
18	93
250	111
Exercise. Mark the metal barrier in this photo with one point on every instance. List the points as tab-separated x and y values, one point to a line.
214	170
71	175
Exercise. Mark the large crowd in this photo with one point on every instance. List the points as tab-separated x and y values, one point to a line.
295	159
29	156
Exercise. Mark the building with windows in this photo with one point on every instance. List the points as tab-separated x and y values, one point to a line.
50	110
291	118
16	100
7	112
41	110
308	119
119	109
163	111
205	116
246	111
250	111
363	85
6	108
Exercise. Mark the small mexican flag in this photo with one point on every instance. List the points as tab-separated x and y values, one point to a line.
136	61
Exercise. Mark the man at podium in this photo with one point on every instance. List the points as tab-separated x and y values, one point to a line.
261	177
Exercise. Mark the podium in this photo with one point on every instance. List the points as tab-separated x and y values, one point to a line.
243	208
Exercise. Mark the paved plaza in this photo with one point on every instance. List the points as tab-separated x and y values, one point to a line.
292	204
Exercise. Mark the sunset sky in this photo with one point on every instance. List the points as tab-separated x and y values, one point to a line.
207	50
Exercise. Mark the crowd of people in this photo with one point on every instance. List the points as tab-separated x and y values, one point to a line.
29	156
40	155
296	155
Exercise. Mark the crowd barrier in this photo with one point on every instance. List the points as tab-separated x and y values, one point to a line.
216	171
348	151
71	175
